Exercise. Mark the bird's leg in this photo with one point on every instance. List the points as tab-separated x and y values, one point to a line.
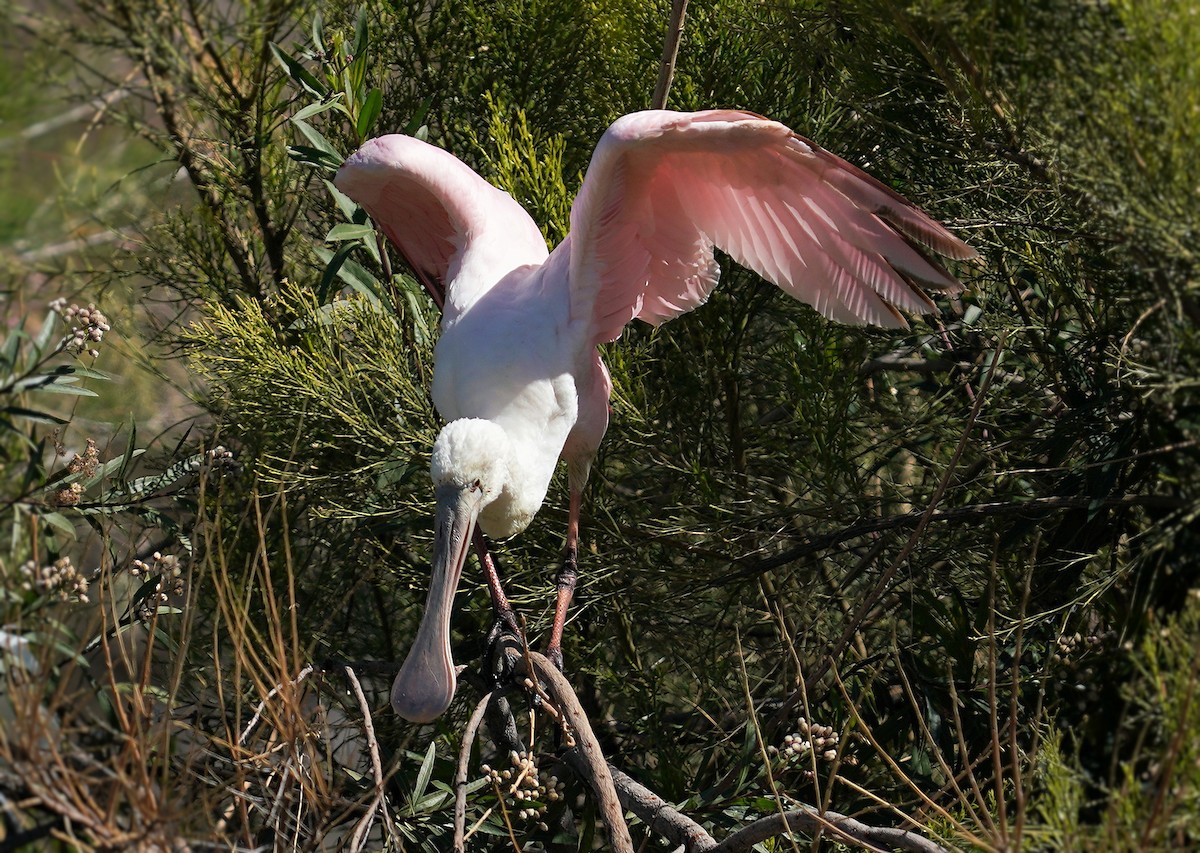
505	641
506	617
565	579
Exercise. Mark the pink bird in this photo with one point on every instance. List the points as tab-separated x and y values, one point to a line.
518	375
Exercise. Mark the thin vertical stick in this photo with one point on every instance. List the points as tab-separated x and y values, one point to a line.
994	711
460	775
666	69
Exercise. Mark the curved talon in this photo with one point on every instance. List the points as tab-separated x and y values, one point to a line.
504	646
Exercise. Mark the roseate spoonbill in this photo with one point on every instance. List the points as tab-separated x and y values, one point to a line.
518	375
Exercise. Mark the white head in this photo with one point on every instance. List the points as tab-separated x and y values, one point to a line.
471	452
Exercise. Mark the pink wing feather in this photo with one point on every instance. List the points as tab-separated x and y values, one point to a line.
437	210
664	188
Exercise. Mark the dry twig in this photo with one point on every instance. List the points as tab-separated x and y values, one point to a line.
358	840
460	776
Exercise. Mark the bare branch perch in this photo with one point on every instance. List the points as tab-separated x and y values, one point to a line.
659	815
592	763
680	829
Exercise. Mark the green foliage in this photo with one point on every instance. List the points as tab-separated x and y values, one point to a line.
967	548
350	369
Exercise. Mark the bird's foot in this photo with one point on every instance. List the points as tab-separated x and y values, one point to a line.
504	646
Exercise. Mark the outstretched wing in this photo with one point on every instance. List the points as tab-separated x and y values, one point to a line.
442	216
664	188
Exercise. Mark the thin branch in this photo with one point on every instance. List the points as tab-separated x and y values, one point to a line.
70	247
303	674
666	68
998	780
358	840
865	730
91	109
677	828
926	516
658	814
808	819
939	754
972	512
681	830
460	775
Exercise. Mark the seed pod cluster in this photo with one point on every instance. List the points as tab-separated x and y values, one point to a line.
59	579
522	787
812	737
88	326
165	569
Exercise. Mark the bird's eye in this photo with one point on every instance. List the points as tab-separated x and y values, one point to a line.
476	486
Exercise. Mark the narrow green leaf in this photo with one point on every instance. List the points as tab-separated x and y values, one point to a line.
420	330
432	802
331	271
418	118
499	831
130	451
314	157
349	231
372	246
12	349
42	342
360	32
32	415
321	107
60	388
298	72
356	277
371	108
318	33
87	373
348	208
358	64
31	383
423	776
315	137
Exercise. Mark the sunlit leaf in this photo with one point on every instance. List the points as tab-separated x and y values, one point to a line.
371	108
348	231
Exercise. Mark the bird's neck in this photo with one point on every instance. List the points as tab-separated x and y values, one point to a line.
482	267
